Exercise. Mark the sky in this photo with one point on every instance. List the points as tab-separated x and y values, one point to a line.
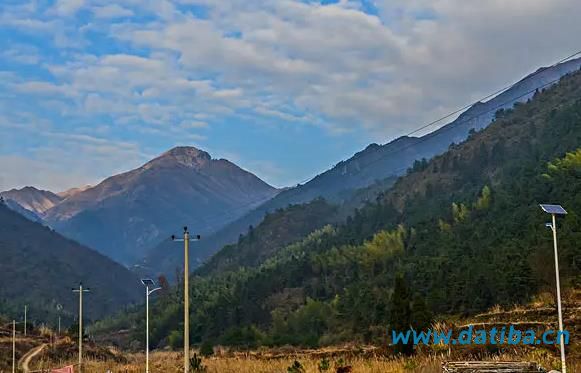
285	88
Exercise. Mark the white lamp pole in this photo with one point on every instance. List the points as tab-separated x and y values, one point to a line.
557	210
186	241
13	346
59	309
25	316
80	290
147	283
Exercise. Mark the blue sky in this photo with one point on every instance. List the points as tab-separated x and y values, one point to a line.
285	89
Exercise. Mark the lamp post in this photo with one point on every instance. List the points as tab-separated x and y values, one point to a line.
25	318
148	283
186	241
13	346
59	309
80	290
555	210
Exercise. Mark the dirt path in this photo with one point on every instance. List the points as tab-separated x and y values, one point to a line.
25	360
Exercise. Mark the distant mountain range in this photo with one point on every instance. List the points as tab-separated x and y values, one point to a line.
127	213
39	267
32	199
458	234
127	216
376	162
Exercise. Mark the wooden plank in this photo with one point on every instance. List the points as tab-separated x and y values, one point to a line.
491	367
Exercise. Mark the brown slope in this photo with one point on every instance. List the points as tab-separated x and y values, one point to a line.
35	200
129	212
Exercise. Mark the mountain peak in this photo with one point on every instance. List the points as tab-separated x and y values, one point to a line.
188	156
33	199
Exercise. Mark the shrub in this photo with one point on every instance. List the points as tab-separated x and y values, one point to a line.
196	364
296	367
175	339
206	349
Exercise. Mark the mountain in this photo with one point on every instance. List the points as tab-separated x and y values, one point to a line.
72	191
14	206
376	162
39	267
278	229
32	199
127	213
456	235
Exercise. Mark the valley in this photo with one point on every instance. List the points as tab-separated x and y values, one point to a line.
289	187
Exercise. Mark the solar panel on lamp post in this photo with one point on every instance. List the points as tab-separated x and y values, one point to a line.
186	241
555	210
148	283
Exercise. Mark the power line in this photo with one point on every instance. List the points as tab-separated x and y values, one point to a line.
422	139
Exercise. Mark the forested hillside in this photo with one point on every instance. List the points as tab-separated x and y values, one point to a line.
39	267
457	234
375	162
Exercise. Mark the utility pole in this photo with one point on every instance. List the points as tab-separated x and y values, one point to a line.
80	290
186	241
25	312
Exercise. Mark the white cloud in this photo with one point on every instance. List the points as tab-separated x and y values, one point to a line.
386	73
111	11
68	7
296	62
22	53
69	160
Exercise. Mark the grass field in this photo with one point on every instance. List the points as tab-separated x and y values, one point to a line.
172	362
360	358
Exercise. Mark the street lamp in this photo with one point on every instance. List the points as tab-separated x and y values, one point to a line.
59	309
14	322
13	346
80	290
555	210
25	317
148	283
186	241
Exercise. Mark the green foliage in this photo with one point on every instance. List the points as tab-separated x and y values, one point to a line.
278	229
304	326
296	367
244	336
400	318
176	339
206	349
324	365
41	266
196	364
339	283
421	316
484	200
460	212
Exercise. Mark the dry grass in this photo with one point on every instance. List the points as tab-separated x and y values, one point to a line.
367	359
170	362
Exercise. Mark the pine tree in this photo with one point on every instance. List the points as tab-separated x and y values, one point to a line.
401	313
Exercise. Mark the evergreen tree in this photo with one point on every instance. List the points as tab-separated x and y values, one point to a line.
401	313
